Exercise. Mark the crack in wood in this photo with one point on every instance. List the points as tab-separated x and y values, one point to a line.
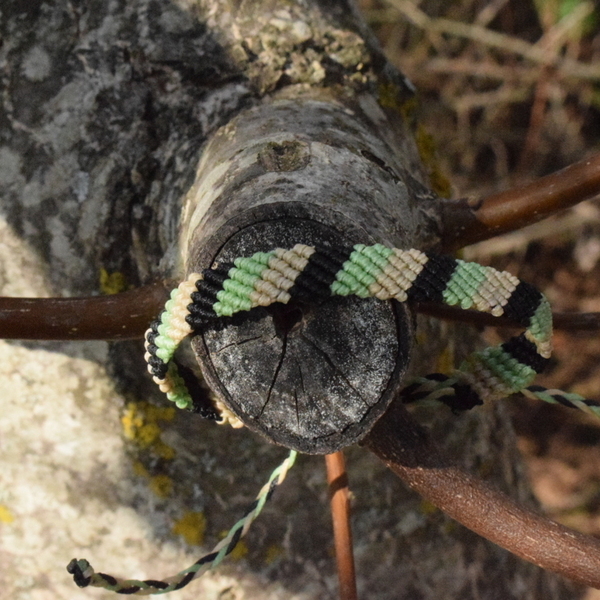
310	399
240	343
275	375
335	368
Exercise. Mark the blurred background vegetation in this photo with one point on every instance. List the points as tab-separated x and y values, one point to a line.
509	90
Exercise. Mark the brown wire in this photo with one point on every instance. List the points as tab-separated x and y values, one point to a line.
406	448
465	223
337	478
117	317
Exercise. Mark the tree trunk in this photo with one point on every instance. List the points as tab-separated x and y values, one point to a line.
142	139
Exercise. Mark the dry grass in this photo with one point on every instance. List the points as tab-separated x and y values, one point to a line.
511	88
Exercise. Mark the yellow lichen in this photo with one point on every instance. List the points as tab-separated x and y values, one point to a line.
191	527
239	551
427	152
273	553
140	425
131	421
163	450
112	283
427	508
147	434
449	527
161	485
445	360
160	413
390	96
139	469
6	515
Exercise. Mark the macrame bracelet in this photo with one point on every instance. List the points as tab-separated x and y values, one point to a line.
314	274
84	575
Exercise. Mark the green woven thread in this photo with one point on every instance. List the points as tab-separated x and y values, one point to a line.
354	278
244	277
229	303
540	325
165	344
180	394
464	284
508	369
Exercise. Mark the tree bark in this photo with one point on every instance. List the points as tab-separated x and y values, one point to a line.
107	113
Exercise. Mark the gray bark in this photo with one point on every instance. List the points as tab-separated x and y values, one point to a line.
106	110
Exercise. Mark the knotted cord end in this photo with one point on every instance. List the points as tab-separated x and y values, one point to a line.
82	572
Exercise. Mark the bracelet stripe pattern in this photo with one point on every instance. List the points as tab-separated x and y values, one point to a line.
315	274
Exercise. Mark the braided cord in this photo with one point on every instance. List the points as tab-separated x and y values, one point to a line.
84	574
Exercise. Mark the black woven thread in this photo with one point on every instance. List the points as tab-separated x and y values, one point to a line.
201	303
134	589
433	279
159	585
206	559
523	303
108	578
185	581
272	488
411	392
561	399
218	275
338	255
74	569
314	281
200	310
152	333
526	353
158	366
464	398
329	261
250	508
234	541
202	404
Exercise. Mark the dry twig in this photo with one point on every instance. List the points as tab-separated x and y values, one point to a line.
399	441
466	223
561	321
117	317
337	478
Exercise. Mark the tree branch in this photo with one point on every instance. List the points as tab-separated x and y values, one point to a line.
465	223
399	441
561	321
117	317
127	315
337	478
